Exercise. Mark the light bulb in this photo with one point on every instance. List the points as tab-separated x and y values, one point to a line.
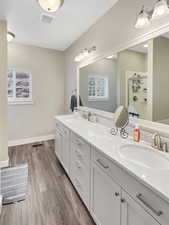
142	19
50	5
145	45
160	9
114	56
85	52
79	57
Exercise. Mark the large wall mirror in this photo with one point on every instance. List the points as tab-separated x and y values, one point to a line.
137	77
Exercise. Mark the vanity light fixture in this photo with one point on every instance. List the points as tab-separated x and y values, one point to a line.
50	5
84	54
10	36
160	9
142	19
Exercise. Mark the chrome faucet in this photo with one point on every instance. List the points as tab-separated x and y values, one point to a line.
89	116
156	141
158	144
92	117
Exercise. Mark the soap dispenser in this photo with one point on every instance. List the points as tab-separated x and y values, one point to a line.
137	132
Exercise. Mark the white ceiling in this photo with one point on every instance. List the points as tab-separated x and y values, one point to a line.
70	22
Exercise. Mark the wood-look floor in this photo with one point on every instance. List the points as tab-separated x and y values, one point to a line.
51	198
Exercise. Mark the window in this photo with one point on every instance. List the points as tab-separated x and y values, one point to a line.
19	87
97	88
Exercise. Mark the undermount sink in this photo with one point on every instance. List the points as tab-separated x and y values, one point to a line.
144	156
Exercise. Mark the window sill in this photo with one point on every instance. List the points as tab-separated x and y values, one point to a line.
21	103
98	99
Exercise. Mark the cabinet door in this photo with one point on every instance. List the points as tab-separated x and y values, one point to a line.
66	150
58	145
105	202
133	214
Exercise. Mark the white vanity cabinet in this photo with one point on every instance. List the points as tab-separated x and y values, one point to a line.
112	195
62	145
105	198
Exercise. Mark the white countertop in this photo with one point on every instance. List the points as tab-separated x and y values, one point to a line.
99	136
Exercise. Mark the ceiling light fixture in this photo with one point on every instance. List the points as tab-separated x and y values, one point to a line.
84	54
50	5
160	9
142	19
10	36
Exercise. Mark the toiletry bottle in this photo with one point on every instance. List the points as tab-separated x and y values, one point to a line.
137	133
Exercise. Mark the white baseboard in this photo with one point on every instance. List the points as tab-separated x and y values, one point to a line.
30	140
4	163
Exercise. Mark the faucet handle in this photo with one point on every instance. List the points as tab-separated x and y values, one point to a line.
156	141
154	138
155	135
165	147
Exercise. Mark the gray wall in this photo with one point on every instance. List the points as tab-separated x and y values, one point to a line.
3	95
160	78
104	67
115	28
47	67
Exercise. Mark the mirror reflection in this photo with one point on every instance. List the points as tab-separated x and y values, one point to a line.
137	77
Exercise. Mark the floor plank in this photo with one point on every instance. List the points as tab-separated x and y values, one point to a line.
51	198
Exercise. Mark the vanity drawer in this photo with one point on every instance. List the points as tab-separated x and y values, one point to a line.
104	163
80	177
80	162
80	167
78	141
81	149
149	200
82	155
82	174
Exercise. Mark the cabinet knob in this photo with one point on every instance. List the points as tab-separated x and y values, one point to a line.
122	200
117	194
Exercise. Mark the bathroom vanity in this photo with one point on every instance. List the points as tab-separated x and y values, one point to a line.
120	182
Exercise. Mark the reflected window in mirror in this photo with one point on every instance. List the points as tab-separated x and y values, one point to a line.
98	88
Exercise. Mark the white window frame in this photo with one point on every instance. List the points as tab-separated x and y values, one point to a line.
14	100
106	89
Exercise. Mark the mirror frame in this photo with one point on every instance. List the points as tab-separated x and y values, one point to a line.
147	125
